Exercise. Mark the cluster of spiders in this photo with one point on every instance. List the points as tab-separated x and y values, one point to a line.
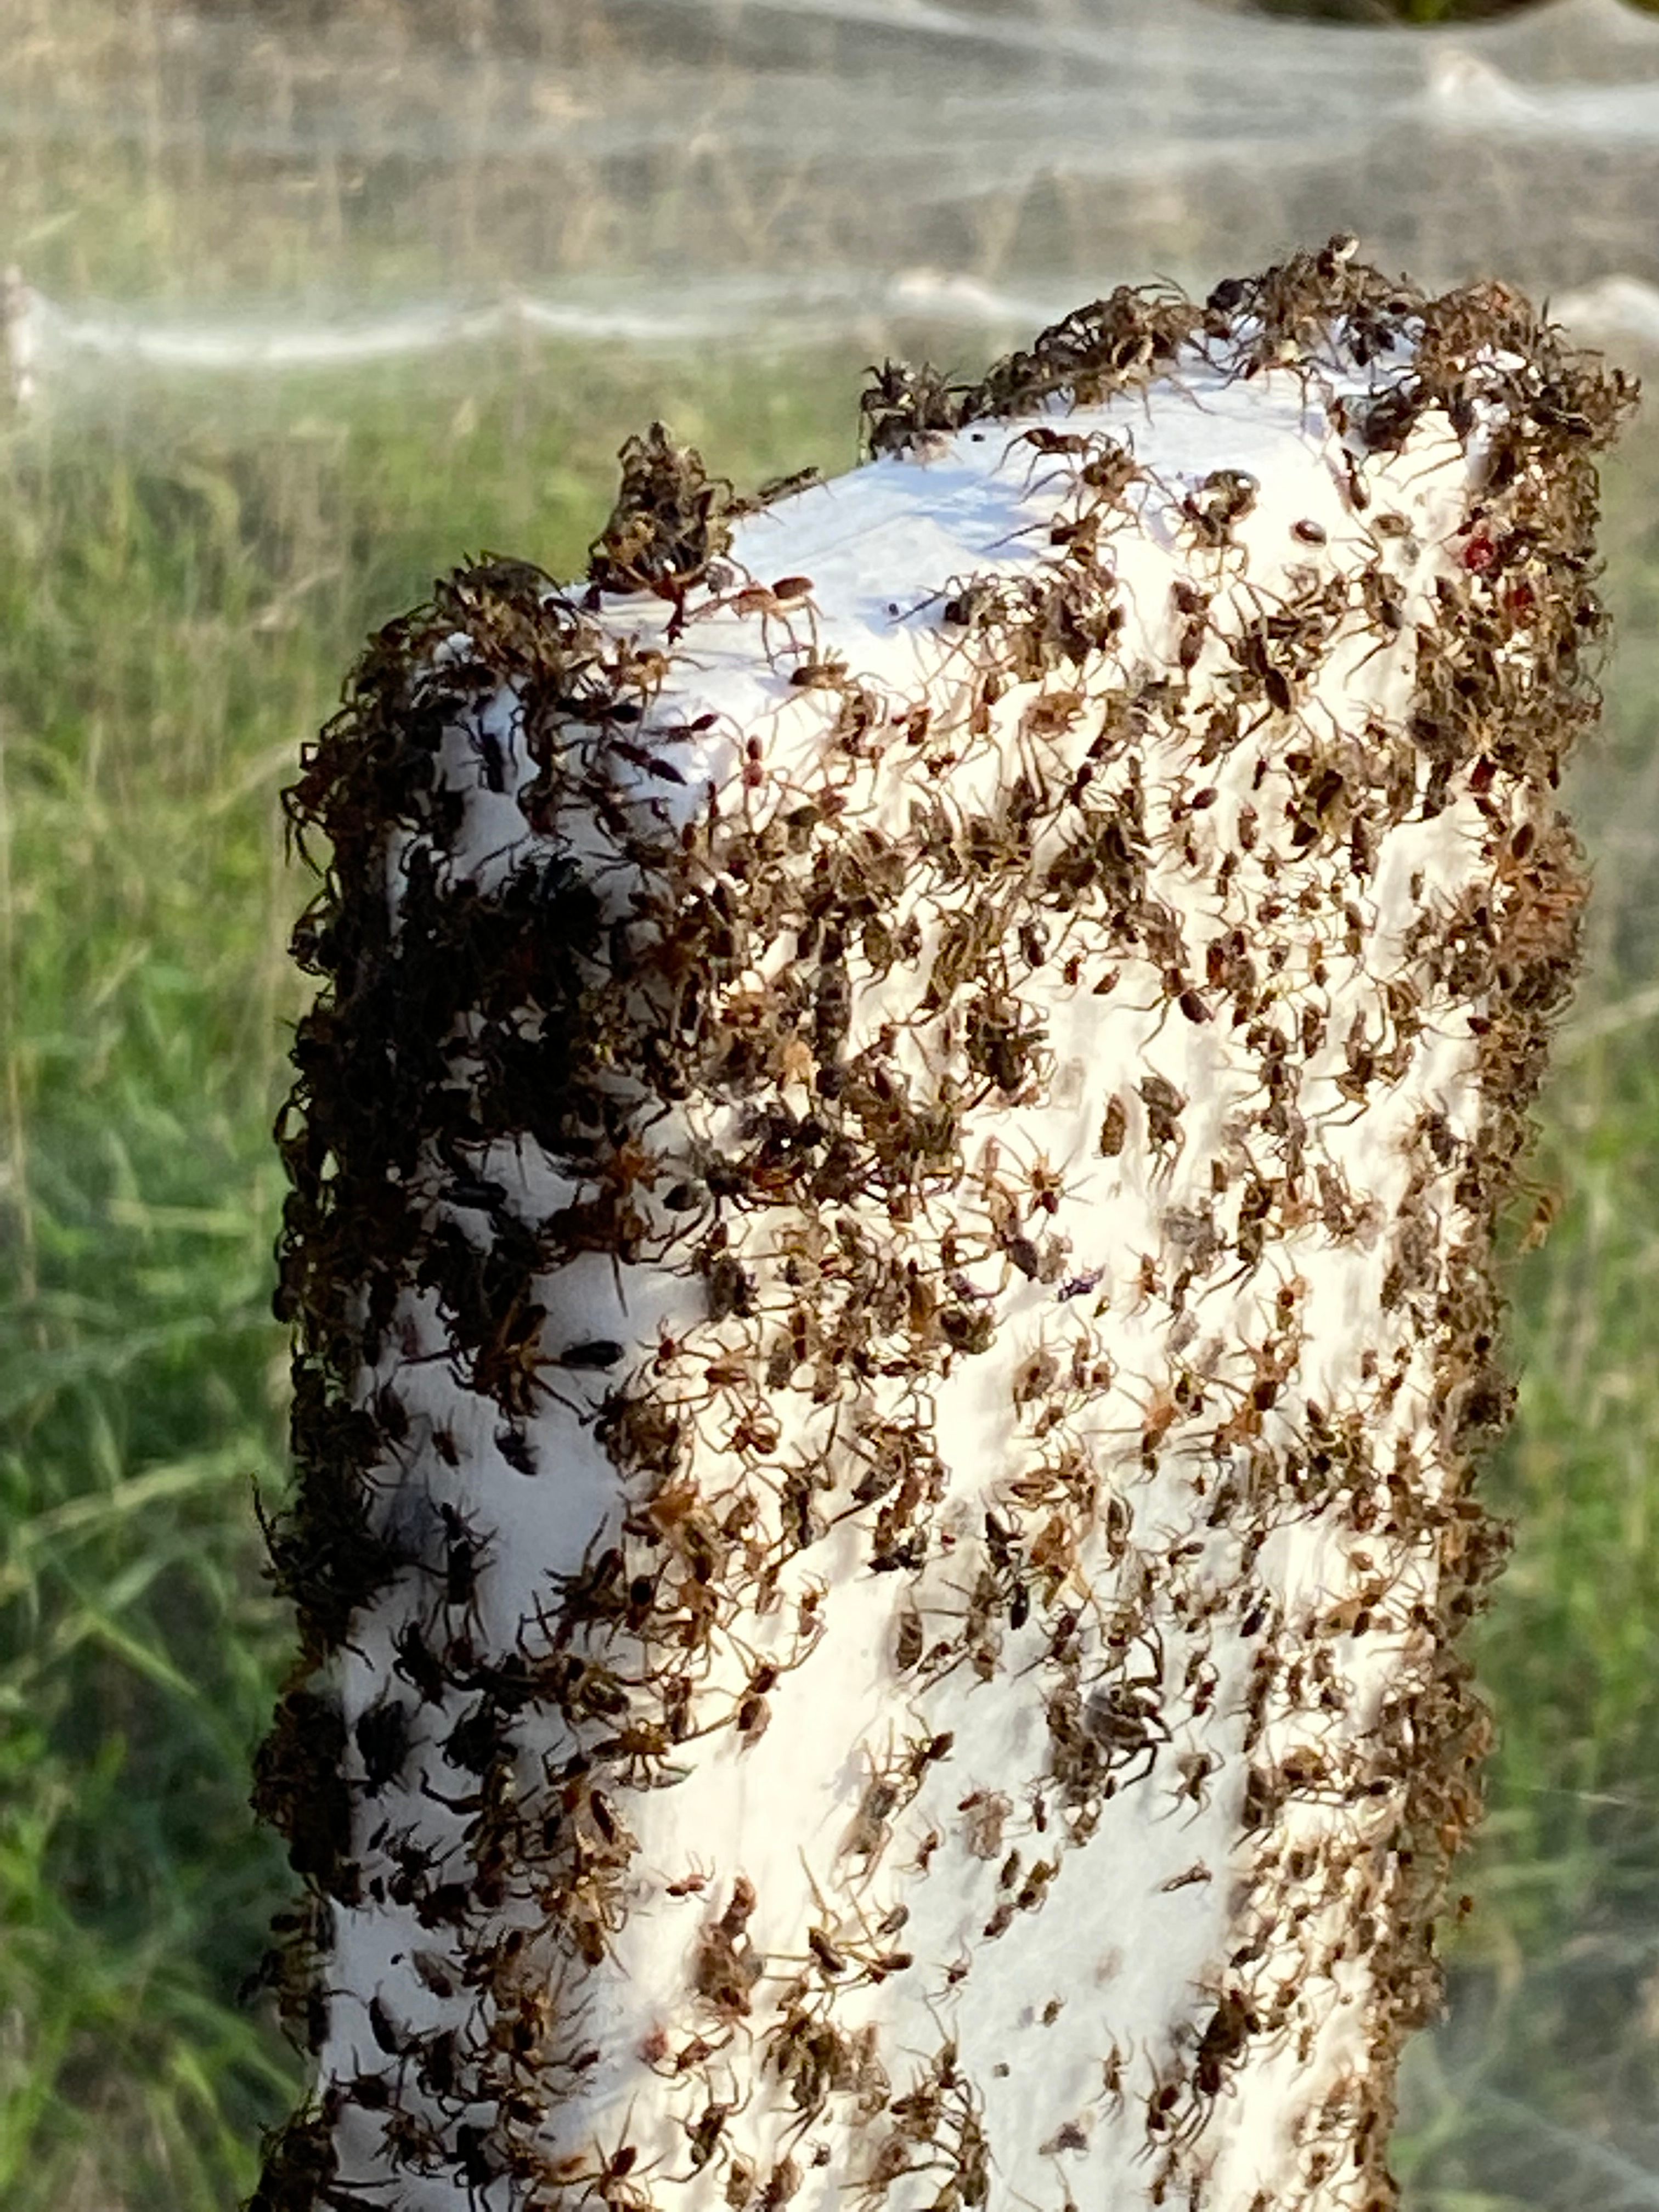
1192	850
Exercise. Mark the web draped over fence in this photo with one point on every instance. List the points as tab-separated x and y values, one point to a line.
778	172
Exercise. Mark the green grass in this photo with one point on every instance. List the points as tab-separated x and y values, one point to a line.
180	594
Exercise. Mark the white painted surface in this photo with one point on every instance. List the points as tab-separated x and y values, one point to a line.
1064	2023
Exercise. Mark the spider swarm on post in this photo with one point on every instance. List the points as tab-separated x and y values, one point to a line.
893	1178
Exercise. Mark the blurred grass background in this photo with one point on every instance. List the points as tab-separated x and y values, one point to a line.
184	577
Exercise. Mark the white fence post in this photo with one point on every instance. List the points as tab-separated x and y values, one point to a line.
893	1179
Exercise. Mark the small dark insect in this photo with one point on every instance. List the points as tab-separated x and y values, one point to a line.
832	1961
1197	1872
1226	496
669	525
389	2037
777	487
435	1973
928	1751
1231	2027
418	1664
300	2166
1165	1106
382	1735
602	1352
1114	1128
1165	2096
705	2133
514	1448
1353	480
464	1553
